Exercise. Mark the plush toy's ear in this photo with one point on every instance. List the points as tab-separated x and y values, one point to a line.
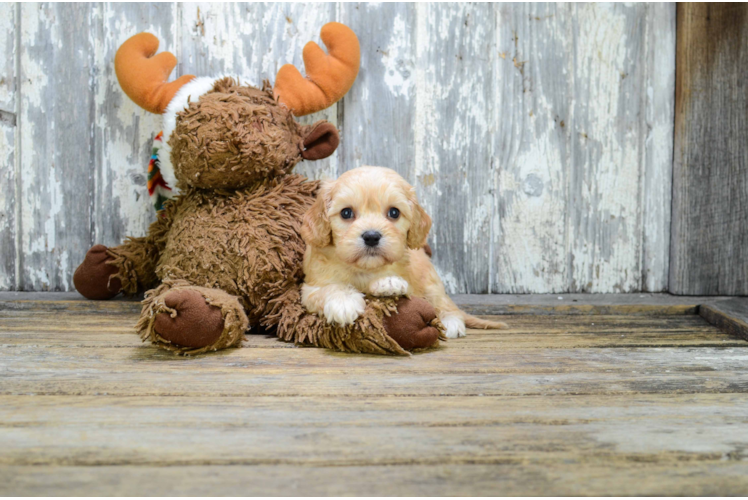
329	77
420	223
315	228
321	141
143	76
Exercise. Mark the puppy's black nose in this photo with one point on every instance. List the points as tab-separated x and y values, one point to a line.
371	238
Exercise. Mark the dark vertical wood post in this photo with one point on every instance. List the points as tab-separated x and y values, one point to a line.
709	237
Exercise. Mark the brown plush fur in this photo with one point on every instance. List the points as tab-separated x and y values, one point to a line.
217	137
233	234
250	235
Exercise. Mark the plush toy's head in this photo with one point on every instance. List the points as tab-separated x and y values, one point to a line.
221	134
236	135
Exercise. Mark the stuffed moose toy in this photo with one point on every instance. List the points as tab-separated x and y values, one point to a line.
225	254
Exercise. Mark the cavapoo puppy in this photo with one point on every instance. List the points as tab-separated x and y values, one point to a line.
365	235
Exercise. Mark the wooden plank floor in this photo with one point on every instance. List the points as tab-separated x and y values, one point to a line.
557	404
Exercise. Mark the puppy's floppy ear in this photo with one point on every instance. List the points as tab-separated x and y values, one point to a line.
315	227
420	223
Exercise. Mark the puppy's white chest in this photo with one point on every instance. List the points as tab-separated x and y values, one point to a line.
388	286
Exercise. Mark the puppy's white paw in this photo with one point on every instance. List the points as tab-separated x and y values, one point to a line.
389	287
343	308
455	326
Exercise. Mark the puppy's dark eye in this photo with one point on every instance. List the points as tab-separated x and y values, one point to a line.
393	213
346	213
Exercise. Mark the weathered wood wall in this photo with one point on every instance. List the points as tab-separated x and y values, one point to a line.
710	179
538	136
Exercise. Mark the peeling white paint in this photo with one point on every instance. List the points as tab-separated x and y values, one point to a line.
537	136
608	259
422	97
36	216
658	174
7	50
397	64
532	241
7	208
127	130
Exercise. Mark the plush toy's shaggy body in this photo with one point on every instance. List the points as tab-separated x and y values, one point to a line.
249	235
225	254
252	236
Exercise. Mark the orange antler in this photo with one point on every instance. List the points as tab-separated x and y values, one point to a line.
144	76
329	77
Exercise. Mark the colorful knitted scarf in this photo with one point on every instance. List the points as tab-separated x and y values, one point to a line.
158	189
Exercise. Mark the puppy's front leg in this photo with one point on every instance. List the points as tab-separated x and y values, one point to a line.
341	304
454	324
389	286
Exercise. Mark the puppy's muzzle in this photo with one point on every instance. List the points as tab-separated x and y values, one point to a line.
371	238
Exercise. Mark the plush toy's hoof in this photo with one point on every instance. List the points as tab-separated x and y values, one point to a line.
92	278
196	324
411	325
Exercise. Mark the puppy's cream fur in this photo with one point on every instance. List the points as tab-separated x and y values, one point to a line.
340	268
